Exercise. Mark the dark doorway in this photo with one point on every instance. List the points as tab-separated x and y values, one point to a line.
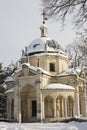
34	108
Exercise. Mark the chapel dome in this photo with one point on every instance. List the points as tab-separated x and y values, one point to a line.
43	44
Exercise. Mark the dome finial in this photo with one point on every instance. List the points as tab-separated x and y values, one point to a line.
44	28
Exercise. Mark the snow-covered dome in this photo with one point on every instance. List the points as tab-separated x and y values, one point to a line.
43	44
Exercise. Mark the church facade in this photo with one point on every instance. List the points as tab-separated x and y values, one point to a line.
44	88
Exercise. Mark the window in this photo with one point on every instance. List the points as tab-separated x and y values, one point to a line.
52	67
51	43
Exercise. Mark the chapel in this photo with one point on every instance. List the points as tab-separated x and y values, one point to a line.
44	88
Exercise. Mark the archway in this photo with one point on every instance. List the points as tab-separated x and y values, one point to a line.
60	106
48	103
28	104
70	106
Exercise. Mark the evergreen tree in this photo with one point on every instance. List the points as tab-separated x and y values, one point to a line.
0	67
2	90
4	73
2	104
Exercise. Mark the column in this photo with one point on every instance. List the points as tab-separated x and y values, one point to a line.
73	108
16	103
19	110
55	107
84	102
86	99
45	64
42	109
66	107
77	108
38	94
9	108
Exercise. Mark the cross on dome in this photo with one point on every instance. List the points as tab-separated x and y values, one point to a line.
44	17
44	28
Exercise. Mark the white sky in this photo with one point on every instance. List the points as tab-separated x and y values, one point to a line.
19	25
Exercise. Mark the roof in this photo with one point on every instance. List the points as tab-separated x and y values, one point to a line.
9	79
70	71
16	71
36	69
43	44
33	68
59	86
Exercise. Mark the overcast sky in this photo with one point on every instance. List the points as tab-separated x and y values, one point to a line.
20	21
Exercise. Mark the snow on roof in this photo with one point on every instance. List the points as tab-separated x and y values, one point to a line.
19	69
11	90
70	71
59	86
34	68
27	64
44	71
9	79
38	44
3	73
43	44
37	69
16	71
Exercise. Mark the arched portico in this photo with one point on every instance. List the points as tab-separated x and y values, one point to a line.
28	104
49	107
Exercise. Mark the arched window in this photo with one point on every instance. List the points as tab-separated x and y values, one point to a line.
48	103
28	104
60	106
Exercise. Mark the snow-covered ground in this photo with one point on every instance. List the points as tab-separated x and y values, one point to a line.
43	126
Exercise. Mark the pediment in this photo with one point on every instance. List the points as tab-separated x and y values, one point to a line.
25	72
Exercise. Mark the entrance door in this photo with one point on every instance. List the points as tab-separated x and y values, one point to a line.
34	108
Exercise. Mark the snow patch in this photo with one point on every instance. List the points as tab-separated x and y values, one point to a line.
70	71
59	86
43	126
37	69
9	79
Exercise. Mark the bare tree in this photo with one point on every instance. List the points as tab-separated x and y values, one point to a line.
61	8
77	9
77	51
74	54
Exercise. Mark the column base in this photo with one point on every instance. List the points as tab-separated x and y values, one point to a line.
39	116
